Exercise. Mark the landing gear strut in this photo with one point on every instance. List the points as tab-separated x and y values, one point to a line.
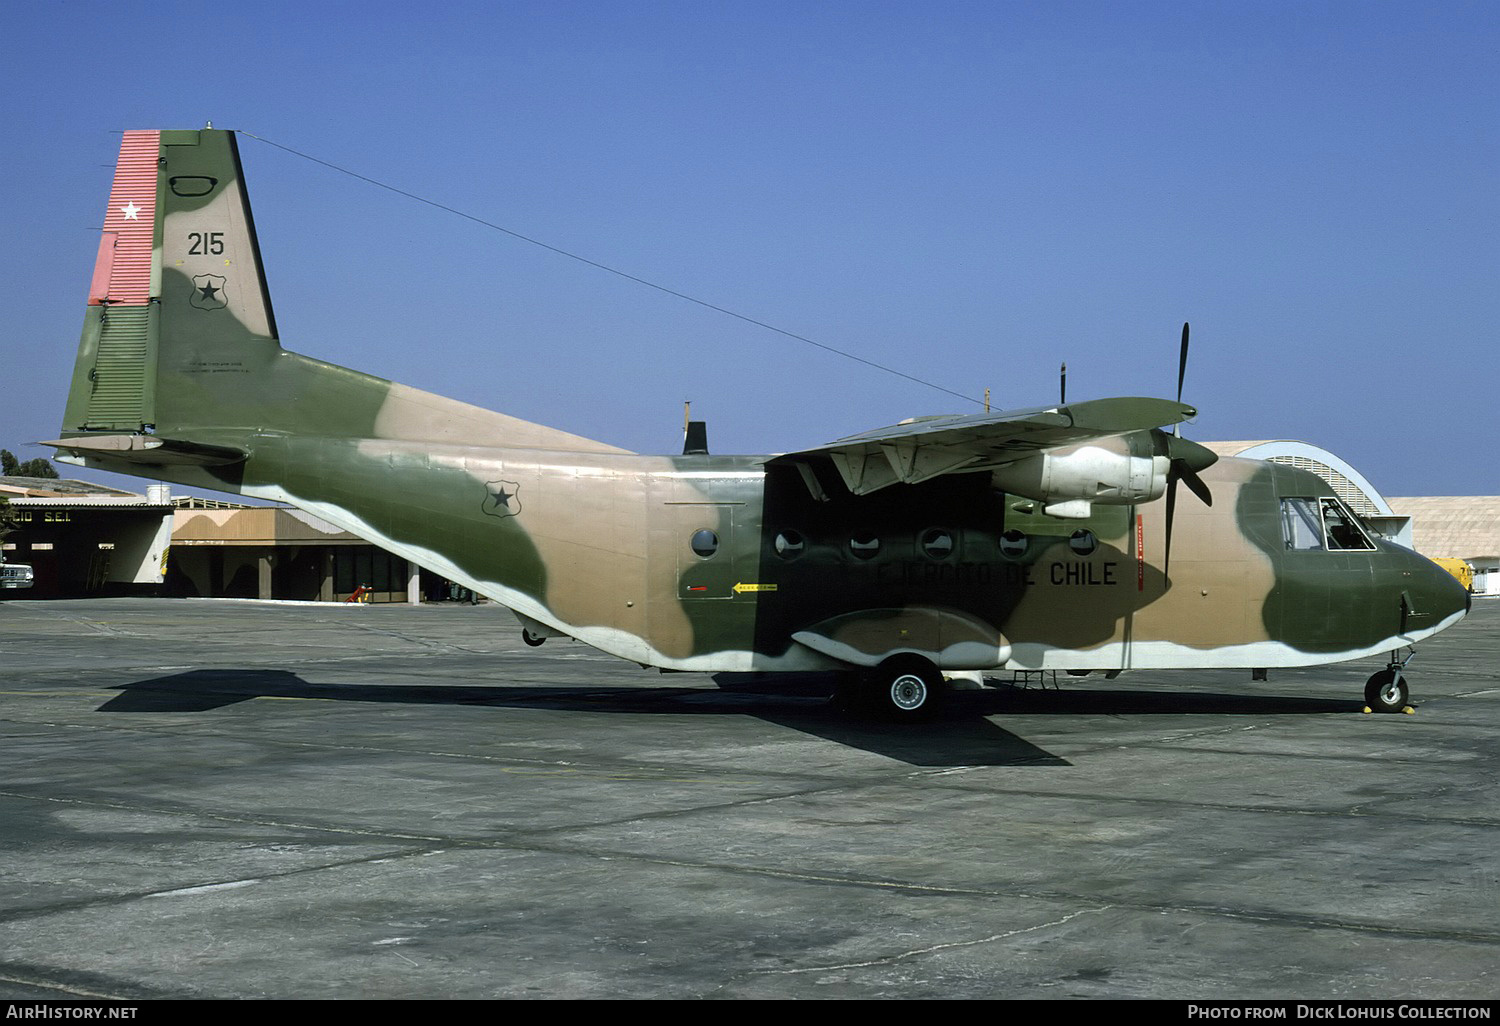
1386	691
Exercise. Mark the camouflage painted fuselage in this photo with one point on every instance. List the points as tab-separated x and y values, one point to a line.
685	562
600	546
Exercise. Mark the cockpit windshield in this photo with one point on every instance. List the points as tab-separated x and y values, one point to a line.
1343	527
1321	523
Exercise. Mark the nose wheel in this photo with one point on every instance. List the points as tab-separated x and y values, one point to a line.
1386	691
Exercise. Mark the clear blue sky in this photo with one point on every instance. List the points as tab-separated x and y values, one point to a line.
969	192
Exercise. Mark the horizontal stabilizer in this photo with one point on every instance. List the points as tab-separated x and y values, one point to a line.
151	450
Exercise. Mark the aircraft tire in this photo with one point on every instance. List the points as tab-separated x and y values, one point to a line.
534	640
910	688
1386	692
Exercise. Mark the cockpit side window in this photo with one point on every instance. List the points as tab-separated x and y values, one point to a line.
1342	527
1301	527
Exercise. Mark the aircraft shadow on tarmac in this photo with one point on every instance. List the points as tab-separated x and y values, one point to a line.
963	735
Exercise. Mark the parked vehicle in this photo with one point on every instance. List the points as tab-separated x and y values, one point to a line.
15	575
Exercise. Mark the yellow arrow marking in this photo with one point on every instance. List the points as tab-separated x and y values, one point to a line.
741	587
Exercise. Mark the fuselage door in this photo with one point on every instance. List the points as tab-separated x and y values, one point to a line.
703	540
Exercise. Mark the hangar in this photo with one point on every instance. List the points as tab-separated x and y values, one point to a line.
1347	483
1461	527
82	538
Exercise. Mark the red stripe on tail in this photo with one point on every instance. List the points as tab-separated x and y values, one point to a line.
122	274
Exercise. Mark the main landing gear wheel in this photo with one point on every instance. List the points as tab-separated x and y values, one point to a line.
1386	691
909	688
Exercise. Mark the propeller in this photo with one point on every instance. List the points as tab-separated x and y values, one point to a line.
1062	398
1186	458
1181	373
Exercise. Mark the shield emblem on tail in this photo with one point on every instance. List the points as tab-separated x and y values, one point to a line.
208	292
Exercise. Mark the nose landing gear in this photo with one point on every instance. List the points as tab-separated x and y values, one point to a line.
1386	691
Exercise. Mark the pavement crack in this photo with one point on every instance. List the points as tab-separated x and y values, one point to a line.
932	949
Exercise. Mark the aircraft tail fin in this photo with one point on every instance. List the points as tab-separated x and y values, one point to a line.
180	343
177	283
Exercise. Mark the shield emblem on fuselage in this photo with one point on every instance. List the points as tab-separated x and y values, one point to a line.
502	498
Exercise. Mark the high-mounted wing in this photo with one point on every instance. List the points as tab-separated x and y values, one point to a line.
917	450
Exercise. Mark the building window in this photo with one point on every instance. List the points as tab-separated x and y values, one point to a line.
356	566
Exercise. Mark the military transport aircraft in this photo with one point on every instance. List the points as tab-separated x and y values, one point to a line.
1038	539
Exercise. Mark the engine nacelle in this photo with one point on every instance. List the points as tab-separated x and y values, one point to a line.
1070	479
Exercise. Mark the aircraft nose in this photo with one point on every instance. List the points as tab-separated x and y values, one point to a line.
1430	597
1442	593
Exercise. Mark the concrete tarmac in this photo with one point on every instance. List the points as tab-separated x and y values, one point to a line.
212	799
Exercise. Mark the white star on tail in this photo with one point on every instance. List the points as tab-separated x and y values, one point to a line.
130	210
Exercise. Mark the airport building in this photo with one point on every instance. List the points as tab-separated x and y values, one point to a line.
84	539
1459	527
227	550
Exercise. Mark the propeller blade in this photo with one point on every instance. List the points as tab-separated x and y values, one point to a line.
1166	560
1186	458
1182	361
1181	373
1182	469
1063	392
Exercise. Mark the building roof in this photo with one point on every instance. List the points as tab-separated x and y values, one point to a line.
199	502
1465	526
257	525
49	491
